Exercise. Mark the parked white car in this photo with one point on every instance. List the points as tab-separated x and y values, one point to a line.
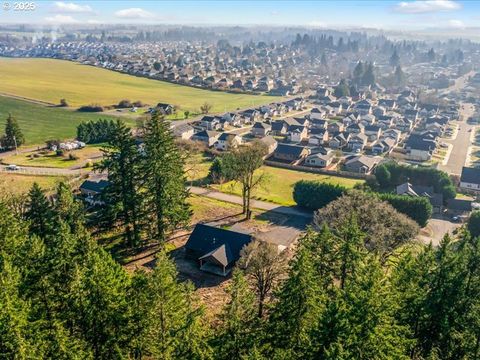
12	167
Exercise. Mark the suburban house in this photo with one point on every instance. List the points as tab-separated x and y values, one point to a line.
91	190
279	128
383	146
436	199
270	143
210	122
165	109
319	160
183	131
317	114
470	179
373	132
339	141
361	164
227	141
290	153
318	124
318	137
217	250
357	142
297	133
206	136
261	129
335	127
420	148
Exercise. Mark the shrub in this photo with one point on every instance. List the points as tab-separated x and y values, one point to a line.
60	152
72	156
123	104
314	195
392	174
63	103
416	208
91	108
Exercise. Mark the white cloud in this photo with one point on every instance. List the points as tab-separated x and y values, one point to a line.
133	13
61	19
457	24
65	7
426	6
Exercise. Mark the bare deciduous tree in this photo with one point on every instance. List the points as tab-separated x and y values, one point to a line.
265	264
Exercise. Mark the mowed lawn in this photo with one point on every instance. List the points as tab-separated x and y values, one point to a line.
40	123
278	186
51	80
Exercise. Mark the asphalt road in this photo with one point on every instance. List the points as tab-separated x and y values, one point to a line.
461	143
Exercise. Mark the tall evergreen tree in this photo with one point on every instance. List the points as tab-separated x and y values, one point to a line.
358	73
237	333
68	209
172	316
122	161
164	180
368	77
299	307
13	134
39	212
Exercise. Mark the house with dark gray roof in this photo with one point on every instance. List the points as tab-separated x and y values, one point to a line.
290	153
217	250
470	179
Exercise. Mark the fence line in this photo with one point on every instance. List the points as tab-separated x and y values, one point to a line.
316	170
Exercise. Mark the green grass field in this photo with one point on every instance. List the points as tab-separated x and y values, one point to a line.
279	183
51	80
21	184
40	123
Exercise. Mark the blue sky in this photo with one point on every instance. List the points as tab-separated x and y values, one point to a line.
393	15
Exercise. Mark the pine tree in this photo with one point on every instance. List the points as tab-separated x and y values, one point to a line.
368	77
39	212
98	306
173	318
15	336
13	135
298	308
123	196
67	208
164	176
358	73
359	322
399	76
395	59
237	335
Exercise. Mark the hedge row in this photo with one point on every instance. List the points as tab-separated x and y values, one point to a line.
314	195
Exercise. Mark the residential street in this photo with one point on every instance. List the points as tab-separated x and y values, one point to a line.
461	143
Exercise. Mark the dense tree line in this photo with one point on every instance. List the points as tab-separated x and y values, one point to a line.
95	132
391	174
147	192
64	297
315	195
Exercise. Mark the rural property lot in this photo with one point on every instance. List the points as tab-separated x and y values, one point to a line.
40	123
279	183
51	80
